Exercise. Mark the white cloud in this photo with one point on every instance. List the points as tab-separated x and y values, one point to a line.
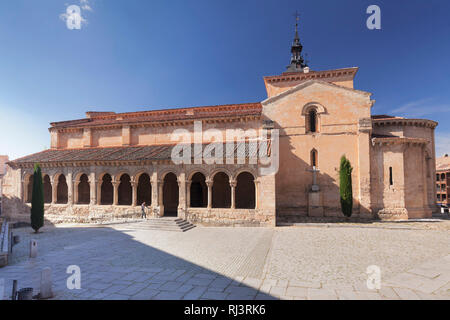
429	108
422	108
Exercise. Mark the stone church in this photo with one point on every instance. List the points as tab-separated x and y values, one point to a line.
107	164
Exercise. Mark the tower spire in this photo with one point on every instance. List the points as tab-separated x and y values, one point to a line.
297	62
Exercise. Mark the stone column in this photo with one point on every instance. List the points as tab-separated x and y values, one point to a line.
188	193
209	184
155	198
92	189
24	190
54	189
257	186
155	188
181	196
76	196
69	189
99	191
134	192
160	198
233	184
116	192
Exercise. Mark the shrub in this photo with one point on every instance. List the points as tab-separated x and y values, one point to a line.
345	186
37	200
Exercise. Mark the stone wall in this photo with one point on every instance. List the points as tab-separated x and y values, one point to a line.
225	217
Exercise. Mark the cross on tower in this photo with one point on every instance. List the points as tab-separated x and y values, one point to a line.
297	19
315	187
297	16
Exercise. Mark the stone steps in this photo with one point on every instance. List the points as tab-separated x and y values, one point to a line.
166	224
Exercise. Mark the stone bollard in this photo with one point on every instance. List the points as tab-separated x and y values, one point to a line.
46	284
14	290
25	294
2	289
33	248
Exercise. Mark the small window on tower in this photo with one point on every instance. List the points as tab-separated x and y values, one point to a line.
314	158
391	180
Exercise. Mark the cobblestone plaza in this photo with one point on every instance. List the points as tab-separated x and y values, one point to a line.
125	261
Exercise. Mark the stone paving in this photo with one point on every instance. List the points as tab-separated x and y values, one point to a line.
125	262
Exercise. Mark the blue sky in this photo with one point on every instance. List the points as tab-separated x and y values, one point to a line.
141	55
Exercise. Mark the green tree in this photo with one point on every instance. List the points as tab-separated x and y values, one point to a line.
37	200
345	186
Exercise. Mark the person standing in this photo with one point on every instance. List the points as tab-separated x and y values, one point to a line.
144	215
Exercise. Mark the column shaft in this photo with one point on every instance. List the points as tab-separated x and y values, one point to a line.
209	185
54	190
134	193
92	189
69	189
116	193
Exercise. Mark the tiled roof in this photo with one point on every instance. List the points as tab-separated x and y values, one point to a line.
112	118
443	163
134	153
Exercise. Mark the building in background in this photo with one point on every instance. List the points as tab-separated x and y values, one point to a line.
3	160
443	179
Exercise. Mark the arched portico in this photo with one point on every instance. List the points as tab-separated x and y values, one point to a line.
221	191
62	190
170	195
195	193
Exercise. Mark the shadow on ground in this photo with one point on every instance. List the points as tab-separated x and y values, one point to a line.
114	265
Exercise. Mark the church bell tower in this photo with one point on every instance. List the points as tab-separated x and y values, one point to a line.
297	61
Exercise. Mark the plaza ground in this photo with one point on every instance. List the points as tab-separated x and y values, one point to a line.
308	261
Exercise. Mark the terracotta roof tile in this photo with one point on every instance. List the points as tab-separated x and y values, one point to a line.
193	113
133	153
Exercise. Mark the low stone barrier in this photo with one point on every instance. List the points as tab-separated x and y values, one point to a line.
4	243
